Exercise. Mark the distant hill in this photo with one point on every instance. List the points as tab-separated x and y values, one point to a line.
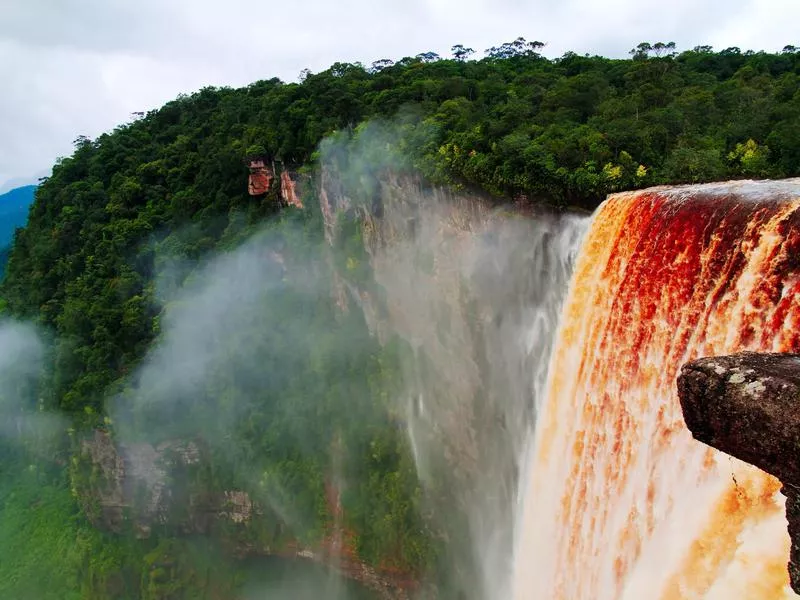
13	213
18	182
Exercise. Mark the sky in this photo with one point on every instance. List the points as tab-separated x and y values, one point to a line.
81	67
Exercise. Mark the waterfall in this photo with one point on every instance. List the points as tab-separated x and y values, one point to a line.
475	293
619	501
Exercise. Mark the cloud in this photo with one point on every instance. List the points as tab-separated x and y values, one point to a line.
21	353
81	68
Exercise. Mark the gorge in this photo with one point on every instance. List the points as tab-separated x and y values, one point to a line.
597	487
403	325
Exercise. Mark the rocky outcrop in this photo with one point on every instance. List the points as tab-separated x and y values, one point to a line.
260	178
145	486
289	189
748	405
332	200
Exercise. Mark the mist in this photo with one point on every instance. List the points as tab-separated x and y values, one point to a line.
475	290
23	419
400	333
255	365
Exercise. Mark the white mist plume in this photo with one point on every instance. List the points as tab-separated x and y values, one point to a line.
21	354
22	358
204	317
209	369
287	582
476	292
239	334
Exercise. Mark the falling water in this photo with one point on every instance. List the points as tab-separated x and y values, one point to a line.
620	502
475	293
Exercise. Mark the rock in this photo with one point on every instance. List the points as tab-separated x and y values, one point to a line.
289	189
260	178
748	405
101	493
148	486
792	494
238	506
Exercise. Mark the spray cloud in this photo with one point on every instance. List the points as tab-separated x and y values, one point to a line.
271	355
475	292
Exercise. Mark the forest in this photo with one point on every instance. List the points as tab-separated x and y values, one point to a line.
137	218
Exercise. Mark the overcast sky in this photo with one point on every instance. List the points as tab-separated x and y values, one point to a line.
80	67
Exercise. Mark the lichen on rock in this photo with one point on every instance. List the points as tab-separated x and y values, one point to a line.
748	405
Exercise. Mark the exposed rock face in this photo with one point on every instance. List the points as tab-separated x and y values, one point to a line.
105	483
260	178
332	200
748	405
239	506
289	189
146	486
151	485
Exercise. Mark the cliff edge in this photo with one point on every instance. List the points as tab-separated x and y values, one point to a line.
748	405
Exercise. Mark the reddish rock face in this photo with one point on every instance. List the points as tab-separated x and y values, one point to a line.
288	190
260	178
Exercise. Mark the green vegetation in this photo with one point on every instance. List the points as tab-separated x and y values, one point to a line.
38	521
49	551
130	218
564	131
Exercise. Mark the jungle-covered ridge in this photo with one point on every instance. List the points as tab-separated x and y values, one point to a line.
170	188
564	131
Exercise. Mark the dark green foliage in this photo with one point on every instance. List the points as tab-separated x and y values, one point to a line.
48	548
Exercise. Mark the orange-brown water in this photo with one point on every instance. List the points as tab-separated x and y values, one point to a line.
620	502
